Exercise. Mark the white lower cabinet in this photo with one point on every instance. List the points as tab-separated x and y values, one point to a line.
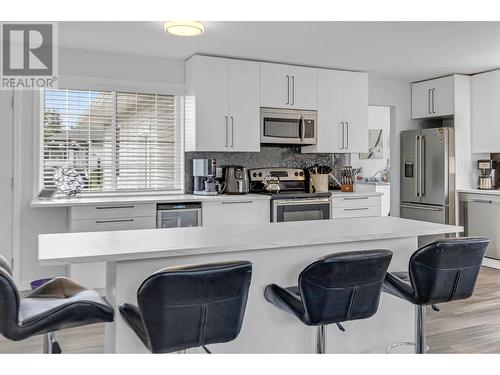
106	218
234	212
344	207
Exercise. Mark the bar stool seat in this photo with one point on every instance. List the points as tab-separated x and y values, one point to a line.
442	271
60	303
335	289
190	306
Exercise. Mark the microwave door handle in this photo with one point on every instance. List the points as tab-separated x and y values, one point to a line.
301	128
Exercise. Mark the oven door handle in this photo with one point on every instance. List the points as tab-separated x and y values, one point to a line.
300	202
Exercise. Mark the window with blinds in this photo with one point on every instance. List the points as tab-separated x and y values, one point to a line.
116	141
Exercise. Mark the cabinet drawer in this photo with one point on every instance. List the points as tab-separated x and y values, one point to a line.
125	223
347	212
110	211
244	211
356	201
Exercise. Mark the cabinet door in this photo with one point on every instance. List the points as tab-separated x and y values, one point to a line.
421	100
483	220
330	113
443	96
207	80
244	211
274	85
303	88
485	112
244	129
355	112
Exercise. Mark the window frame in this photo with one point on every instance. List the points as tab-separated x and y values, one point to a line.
114	86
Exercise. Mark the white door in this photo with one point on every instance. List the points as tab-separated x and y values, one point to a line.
443	96
485	112
421	100
244	127
355	112
303	87
207	79
275	85
330	112
6	155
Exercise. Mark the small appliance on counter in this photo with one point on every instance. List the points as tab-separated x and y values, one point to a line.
486	179
236	180
204	177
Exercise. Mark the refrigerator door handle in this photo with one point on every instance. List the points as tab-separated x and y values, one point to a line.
416	169
421	165
435	209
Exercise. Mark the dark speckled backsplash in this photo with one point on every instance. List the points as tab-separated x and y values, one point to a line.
269	156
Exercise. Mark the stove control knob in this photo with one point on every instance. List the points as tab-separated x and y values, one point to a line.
254	174
301	174
296	174
260	174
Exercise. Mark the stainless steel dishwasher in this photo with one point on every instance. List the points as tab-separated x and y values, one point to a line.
174	215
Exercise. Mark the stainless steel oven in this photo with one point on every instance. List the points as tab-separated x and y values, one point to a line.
288	126
302	209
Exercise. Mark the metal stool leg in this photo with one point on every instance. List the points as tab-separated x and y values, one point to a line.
420	339
50	345
321	340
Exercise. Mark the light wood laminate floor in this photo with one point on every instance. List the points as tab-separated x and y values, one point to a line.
466	326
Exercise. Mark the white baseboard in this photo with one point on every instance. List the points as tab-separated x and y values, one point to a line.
492	263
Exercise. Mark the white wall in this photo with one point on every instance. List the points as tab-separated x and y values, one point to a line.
397	95
80	69
6	174
378	118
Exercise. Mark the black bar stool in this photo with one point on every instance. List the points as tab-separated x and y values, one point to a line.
190	306
58	304
442	271
335	289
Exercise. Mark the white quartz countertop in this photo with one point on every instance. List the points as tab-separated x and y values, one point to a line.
167	198
67	248
479	191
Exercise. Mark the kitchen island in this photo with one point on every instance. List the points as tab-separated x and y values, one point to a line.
278	251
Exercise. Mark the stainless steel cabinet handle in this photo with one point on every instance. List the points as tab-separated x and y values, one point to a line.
111	207
356	209
482	201
287	89
355	198
293	90
237	202
232	131
225	125
429	101
347	135
114	221
342	126
433	100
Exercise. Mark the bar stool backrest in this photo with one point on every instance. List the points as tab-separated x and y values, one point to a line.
189	306
9	302
446	269
344	286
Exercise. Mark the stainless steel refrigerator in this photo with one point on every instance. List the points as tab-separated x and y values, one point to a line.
428	176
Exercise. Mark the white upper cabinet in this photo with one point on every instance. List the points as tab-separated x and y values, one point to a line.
244	109
485	112
222	105
285	86
434	98
342	112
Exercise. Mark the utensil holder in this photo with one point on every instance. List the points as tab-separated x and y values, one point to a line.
318	183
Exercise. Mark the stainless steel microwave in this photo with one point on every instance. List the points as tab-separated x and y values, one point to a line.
288	126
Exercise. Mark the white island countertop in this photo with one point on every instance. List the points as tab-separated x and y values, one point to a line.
68	248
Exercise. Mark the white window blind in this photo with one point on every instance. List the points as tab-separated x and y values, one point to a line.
117	141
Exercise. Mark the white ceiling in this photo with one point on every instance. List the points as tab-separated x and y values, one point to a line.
407	51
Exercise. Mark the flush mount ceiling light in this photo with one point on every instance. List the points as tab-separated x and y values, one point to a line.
184	28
